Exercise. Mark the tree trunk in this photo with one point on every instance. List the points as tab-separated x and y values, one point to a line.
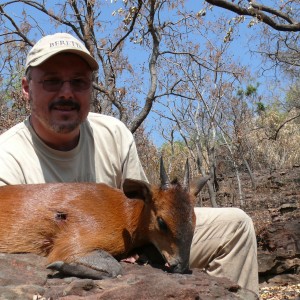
250	173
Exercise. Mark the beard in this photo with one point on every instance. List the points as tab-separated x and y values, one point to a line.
68	125
64	128
62	124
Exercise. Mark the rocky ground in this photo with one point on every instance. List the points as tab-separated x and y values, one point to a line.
24	276
275	208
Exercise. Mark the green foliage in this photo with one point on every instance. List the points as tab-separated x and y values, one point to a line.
251	90
240	93
260	107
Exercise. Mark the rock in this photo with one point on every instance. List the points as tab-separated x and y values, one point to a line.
283	279
77	287
287	207
24	276
16	269
279	250
267	261
18	292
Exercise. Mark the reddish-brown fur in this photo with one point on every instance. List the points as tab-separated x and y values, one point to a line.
64	221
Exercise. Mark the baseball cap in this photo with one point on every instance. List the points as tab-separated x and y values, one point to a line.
51	45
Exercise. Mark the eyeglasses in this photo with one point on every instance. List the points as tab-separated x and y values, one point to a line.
77	84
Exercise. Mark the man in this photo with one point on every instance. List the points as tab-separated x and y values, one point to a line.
62	142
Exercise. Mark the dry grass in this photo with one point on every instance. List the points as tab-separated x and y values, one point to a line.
280	292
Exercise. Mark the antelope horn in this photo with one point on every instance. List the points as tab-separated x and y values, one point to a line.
186	178
199	184
165	182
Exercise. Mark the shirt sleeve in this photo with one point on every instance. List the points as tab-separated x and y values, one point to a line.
132	167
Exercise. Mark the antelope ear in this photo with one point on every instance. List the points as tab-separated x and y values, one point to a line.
198	184
137	189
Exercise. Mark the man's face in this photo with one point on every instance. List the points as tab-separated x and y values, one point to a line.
57	105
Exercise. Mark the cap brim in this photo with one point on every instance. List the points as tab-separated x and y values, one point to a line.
88	58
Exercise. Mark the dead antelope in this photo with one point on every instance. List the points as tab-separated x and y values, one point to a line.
83	227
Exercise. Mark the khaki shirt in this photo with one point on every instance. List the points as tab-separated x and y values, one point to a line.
106	153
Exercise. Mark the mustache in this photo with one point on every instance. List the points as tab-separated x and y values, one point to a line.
64	103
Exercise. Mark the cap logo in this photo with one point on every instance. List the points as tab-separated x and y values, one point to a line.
65	43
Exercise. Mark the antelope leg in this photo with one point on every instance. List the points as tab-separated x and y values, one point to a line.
97	264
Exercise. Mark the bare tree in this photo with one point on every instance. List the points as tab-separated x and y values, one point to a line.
157	59
82	18
197	97
281	16
279	38
278	25
135	23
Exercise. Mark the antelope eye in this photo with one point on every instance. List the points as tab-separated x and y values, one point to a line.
162	224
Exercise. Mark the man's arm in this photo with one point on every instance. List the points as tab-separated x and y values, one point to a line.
132	167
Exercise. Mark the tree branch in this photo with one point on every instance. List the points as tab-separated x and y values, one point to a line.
136	13
152	68
18	29
258	11
282	125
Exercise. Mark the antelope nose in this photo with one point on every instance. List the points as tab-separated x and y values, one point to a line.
180	268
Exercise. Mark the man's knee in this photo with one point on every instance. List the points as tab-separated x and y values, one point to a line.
240	215
230	214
